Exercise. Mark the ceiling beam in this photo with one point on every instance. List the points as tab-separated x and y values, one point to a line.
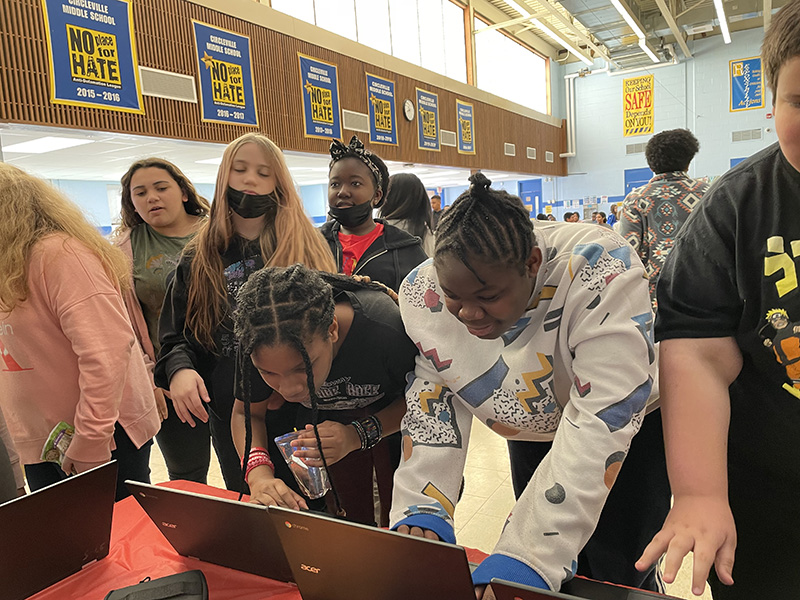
558	15
680	36
767	13
517	21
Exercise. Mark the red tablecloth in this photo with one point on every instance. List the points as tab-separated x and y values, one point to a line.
138	550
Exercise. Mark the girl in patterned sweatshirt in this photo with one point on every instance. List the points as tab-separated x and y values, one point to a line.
518	330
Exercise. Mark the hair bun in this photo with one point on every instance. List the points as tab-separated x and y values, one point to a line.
479	181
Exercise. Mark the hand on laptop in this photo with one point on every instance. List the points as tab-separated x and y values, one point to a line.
188	392
418	531
483	592
268	490
338	440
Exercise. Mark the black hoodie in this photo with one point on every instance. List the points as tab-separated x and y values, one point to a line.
389	258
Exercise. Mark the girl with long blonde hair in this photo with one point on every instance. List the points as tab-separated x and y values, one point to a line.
256	220
68	349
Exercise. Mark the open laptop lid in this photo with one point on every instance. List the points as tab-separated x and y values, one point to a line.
336	560
575	589
233	534
56	531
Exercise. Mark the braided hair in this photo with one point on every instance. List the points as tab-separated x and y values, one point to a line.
490	225
288	306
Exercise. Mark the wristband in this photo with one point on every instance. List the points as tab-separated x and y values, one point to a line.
369	430
257	458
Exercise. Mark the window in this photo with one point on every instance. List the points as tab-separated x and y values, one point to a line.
299	9
338	16
372	19
508	69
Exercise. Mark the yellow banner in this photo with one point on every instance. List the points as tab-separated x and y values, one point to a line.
637	105
93	56
383	114
321	103
428	123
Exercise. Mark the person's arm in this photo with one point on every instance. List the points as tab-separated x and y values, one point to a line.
631	226
695	408
180	356
265	488
340	439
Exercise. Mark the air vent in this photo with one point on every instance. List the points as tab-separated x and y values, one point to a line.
355	121
164	84
635	148
699	28
746	135
509	149
548	156
448	138
530	153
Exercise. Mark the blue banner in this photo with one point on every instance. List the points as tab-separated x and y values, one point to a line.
92	54
225	75
427	120
747	87
381	101
466	127
320	92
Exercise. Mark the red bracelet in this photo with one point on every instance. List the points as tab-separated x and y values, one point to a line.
258	457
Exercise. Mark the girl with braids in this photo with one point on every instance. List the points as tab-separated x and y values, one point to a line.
256	219
67	349
358	182
535	311
161	212
336	347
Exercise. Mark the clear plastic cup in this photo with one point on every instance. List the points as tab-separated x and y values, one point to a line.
313	481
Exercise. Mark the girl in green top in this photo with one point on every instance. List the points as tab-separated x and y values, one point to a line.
161	212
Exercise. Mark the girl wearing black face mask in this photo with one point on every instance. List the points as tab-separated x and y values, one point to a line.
256	219
357	183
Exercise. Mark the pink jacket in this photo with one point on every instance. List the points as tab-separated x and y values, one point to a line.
69	354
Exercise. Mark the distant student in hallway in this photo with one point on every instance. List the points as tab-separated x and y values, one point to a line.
652	215
407	207
358	183
517	322
436	207
257	219
67	350
728	308
161	213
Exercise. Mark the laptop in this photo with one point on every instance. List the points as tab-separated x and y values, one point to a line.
224	532
577	588
337	560
56	531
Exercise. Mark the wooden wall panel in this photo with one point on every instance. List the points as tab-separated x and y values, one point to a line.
164	39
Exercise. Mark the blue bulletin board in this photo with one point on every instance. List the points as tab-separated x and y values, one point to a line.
92	54
320	93
225	76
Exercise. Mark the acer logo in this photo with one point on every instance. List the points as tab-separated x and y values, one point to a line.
309	569
170	525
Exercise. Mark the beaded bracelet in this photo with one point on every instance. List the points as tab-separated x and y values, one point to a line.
369	430
257	458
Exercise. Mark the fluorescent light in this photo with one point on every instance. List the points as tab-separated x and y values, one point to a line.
45	144
628	18
643	45
561	41
209	161
723	21
517	8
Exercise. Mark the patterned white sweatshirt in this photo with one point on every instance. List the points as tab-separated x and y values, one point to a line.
547	378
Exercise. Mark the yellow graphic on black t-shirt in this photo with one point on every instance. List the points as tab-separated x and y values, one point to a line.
778	261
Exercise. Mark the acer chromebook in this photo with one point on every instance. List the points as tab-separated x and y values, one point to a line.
336	560
56	531
233	534
575	589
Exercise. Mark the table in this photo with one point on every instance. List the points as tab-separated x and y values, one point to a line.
138	550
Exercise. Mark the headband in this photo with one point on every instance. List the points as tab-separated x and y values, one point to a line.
355	149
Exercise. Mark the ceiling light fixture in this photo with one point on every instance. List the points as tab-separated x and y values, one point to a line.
564	43
625	14
723	21
45	144
646	49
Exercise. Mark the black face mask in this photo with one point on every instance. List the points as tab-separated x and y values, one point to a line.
352	216
250	206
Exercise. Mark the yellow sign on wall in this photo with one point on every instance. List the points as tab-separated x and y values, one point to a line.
637	105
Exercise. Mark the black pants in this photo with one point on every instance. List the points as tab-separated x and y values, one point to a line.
8	483
132	463
186	449
634	511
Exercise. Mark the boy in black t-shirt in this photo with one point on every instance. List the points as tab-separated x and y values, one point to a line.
729	322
